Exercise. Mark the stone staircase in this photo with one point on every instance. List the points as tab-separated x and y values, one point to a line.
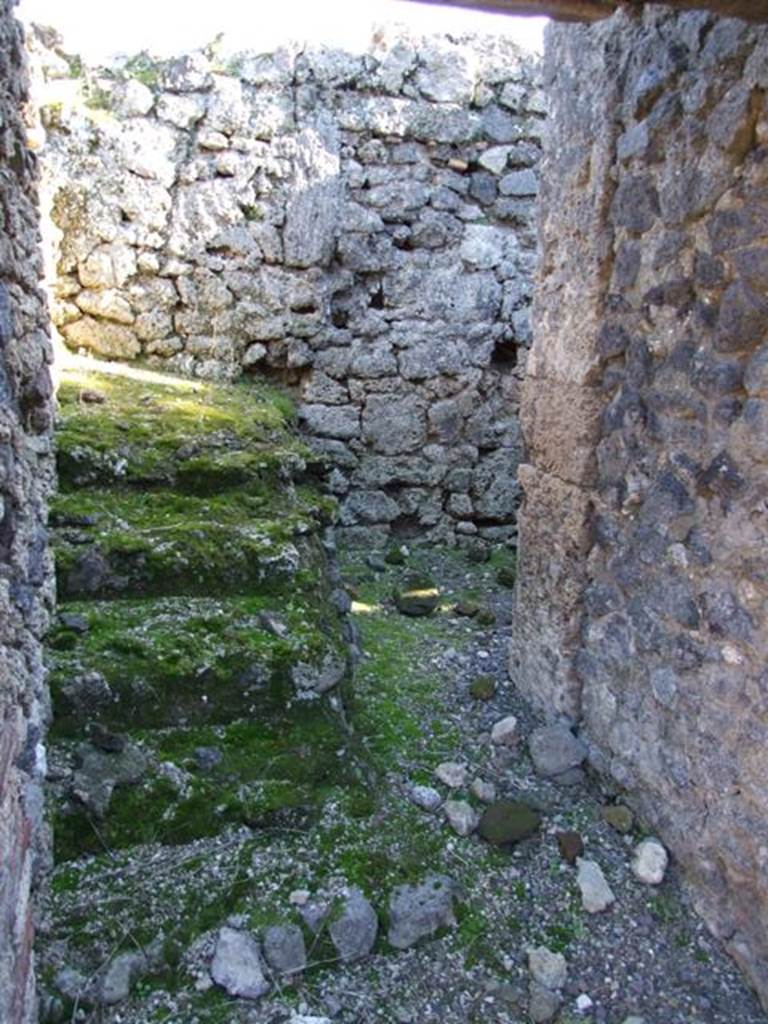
199	664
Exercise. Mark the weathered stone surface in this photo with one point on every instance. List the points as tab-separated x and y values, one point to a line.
119	977
418	911
554	750
451	774
26	590
504	732
284	948
547	968
111	340
627	614
596	894
353	932
237	965
460	816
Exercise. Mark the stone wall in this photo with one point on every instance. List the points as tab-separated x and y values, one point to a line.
643	586
25	571
360	225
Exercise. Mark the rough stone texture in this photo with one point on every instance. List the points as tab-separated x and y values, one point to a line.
361	228
642	589
25	569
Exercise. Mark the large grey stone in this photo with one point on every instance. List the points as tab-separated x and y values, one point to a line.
284	948
596	893
418	911
554	750
122	972
237	965
353	932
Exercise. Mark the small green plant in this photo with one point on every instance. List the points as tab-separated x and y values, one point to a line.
98	98
251	212
76	67
143	69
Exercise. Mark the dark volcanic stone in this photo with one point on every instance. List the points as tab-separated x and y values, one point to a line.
743	320
507	822
618	817
418	596
483	688
103	739
506	576
636	204
394	556
571	846
467	609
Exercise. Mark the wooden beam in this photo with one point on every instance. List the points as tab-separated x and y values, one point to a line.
561	10
594	10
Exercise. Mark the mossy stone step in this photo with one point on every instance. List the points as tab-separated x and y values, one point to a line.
171	432
273	772
165	662
161	542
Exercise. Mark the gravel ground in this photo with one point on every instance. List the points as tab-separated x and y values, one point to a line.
648	955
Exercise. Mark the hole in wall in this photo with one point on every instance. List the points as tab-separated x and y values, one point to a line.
504	356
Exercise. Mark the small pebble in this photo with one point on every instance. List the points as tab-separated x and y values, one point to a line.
461	817
571	846
504	732
484	791
425	797
451	774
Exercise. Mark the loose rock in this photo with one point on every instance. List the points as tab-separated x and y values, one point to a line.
284	949
451	774
650	862
543	1004
353	933
547	968
237	965
504	732
596	894
425	797
485	791
508	821
461	817
554	750
121	974
417	911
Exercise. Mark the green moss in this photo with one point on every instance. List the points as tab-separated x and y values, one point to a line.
179	661
143	68
162	542
147	430
275	772
76	69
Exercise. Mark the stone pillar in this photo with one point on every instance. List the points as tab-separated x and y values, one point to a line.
643	591
562	399
25	569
